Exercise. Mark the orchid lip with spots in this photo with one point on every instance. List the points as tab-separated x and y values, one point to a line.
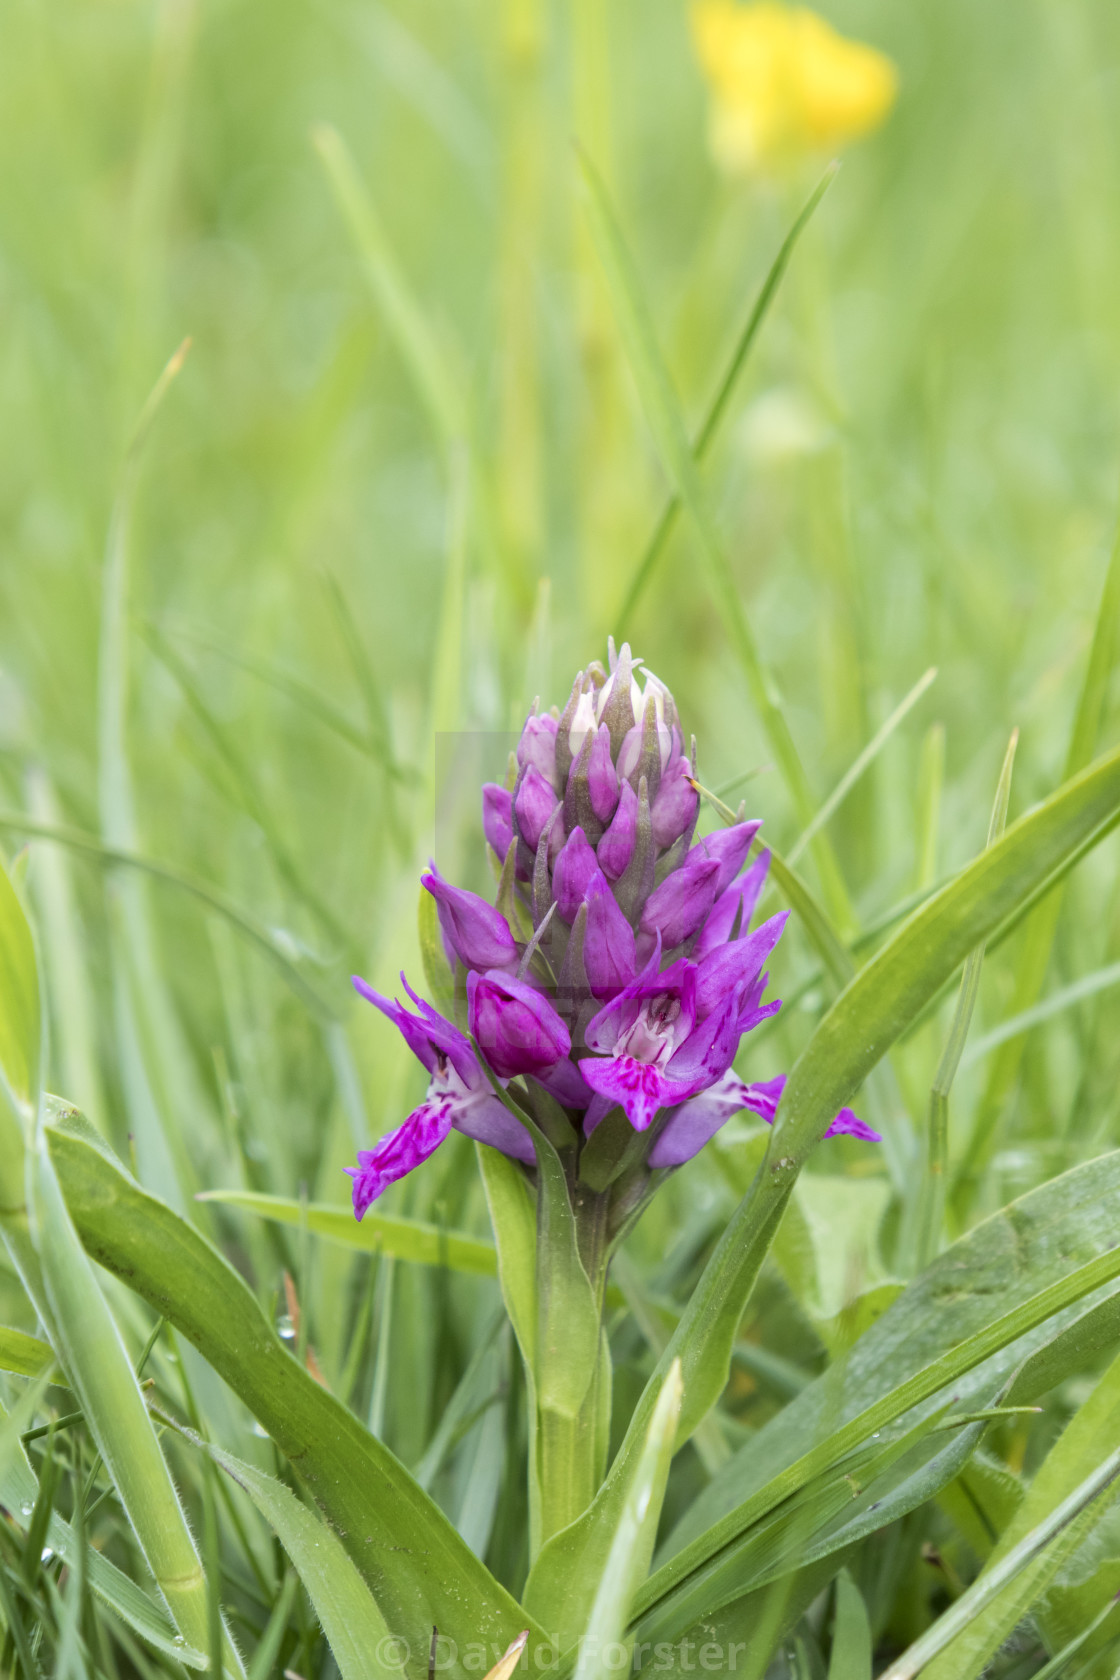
641	976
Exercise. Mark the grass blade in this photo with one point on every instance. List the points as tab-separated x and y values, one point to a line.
379	1233
666	422
724	390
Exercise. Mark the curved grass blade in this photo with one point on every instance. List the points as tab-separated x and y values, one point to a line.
24	1355
379	1233
110	856
862	763
353	1624
718	406
420	1571
99	1371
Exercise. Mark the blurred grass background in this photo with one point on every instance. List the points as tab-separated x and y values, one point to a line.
325	564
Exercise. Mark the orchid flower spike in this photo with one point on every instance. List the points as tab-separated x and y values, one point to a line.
642	974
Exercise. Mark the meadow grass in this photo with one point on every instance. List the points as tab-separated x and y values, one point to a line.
404	479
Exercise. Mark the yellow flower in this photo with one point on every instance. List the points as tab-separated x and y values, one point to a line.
784	82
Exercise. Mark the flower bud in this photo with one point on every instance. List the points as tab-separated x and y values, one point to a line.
497	817
616	848
736	904
679	906
537	748
608	945
676	802
473	930
533	805
516	1027
602	778
573	873
729	847
616	698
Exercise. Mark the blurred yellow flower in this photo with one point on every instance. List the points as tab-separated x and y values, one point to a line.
784	82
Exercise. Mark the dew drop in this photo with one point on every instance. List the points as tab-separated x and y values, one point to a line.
26	1507
259	1429
46	1555
285	1328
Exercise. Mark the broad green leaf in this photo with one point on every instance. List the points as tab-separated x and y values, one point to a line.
419	1569
379	1233
828	1251
26	1355
968	1321
356	1631
1073	1457
98	1369
19	1000
851	1633
631	1544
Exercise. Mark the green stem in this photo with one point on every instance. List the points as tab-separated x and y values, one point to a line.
572	1447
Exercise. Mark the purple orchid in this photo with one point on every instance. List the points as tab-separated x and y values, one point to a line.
626	973
459	1096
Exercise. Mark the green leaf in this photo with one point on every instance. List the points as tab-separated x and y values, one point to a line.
19	1000
1034	1558
405	1549
851	1633
630	1546
356	1631
379	1233
968	1321
1070	1464
98	1369
26	1355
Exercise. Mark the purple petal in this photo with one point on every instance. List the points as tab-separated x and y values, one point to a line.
608	946
602	778
477	933
488	1120
516	1027
736	964
428	1035
639	1088
566	1083
696	1122
575	869
497	817
399	1152
616	848
603	1030
739	900
681	903
533	805
729	846
847	1124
